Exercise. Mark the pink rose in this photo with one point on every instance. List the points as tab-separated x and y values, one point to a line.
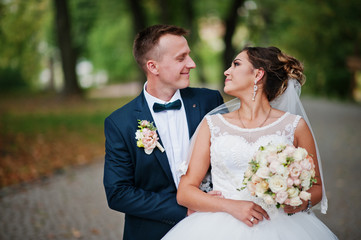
275	166
289	182
296	181
272	157
289	150
281	197
255	179
295	170
263	172
251	187
306	165
144	123
149	139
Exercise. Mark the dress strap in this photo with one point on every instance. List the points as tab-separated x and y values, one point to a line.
294	126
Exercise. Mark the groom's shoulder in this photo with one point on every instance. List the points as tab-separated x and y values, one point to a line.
127	109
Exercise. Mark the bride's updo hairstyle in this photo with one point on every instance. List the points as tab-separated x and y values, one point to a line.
278	67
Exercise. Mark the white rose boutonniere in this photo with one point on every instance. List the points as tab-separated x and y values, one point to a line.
147	137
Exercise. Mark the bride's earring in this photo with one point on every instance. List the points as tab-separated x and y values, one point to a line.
255	88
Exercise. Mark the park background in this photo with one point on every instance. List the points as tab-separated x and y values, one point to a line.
67	64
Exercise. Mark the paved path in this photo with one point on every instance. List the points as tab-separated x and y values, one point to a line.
73	205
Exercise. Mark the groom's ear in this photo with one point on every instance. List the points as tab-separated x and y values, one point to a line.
152	67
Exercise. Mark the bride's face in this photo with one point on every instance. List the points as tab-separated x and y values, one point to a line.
240	76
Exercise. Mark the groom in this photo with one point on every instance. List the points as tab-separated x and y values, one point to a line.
140	175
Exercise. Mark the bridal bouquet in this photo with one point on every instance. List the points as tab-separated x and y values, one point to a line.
280	174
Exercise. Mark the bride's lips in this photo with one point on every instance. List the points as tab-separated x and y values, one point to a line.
227	80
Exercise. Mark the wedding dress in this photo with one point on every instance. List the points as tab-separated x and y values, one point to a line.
231	149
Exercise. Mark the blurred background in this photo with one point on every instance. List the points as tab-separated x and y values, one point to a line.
67	64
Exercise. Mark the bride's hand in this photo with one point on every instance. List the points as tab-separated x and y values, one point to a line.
248	212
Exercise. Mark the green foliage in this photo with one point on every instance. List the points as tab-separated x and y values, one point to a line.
20	35
11	80
110	48
322	35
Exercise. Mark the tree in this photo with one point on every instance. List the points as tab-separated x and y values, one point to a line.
67	51
230	25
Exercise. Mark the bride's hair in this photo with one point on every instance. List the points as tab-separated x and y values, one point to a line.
278	67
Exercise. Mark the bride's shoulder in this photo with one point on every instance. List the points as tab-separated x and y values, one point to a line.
277	113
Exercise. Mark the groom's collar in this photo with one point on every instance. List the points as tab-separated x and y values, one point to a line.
151	99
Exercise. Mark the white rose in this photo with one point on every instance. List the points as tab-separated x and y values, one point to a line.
296	201
305	175
282	157
271	148
305	184
305	195
268	199
262	159
263	172
293	192
299	154
277	183
282	170
261	188
138	135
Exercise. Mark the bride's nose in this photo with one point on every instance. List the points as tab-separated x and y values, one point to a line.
226	73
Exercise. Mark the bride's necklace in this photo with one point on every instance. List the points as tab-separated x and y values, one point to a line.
269	112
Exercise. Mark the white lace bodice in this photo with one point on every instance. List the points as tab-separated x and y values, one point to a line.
232	148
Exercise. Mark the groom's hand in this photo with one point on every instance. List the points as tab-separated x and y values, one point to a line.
213	194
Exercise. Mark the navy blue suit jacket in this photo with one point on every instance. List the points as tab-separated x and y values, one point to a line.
142	185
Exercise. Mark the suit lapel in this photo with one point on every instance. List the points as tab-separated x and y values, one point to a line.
144	113
191	105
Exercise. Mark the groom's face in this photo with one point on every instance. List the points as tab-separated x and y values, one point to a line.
174	63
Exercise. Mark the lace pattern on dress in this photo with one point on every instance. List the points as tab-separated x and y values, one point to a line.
232	147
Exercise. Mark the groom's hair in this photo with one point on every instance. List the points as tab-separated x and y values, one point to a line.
147	40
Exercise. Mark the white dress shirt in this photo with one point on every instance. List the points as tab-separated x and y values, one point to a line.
172	127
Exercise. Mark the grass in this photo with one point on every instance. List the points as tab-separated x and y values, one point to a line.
41	135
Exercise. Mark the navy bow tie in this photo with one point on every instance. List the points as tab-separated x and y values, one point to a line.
176	105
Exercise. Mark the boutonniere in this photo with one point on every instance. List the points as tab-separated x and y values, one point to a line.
147	137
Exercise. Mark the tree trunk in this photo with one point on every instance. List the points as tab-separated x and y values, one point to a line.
139	22
231	23
191	24
67	52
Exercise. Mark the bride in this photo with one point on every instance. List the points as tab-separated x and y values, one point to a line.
266	82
